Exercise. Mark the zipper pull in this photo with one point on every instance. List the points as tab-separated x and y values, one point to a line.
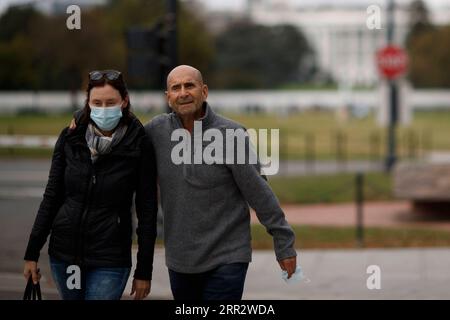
94	180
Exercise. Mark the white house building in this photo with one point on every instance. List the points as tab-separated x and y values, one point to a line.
337	30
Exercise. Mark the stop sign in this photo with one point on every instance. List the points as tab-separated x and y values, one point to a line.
392	61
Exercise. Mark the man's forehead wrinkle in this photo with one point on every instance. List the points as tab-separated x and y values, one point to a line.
185	71
184	81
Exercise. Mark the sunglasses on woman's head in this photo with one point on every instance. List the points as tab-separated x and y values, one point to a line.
109	74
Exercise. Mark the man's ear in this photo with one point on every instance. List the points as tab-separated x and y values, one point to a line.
167	99
205	91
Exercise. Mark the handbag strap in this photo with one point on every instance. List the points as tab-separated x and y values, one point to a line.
32	291
37	290
28	289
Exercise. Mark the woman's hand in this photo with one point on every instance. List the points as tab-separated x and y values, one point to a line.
141	288
31	269
73	124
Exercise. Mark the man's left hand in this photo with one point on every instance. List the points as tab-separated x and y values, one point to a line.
289	265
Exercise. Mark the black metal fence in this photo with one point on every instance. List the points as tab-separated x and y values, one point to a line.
342	147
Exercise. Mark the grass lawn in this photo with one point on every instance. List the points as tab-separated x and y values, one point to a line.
323	237
359	138
35	153
330	188
317	131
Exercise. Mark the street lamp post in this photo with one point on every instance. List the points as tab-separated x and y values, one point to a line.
393	96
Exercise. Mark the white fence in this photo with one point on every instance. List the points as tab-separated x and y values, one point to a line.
27	141
268	100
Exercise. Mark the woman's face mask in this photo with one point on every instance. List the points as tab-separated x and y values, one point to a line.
106	107
106	118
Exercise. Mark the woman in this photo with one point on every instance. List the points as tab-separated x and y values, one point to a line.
86	209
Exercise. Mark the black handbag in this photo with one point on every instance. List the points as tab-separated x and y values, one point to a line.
32	291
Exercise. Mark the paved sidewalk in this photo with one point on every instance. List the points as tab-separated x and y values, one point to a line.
338	274
330	274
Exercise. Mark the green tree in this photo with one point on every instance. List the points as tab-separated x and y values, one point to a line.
17	65
428	48
430	59
38	52
17	20
65	56
256	56
419	20
16	50
195	43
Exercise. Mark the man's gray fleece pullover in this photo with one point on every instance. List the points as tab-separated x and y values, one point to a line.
206	206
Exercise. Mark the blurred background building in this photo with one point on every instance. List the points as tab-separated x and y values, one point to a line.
239	45
343	45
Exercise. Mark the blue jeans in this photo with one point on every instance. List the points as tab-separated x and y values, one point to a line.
225	282
96	283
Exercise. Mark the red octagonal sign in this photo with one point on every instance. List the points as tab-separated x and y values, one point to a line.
392	61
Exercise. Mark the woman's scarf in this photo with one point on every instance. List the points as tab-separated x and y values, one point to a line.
100	144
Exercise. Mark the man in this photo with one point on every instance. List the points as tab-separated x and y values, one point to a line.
205	206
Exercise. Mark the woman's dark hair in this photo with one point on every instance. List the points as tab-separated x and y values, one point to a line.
117	84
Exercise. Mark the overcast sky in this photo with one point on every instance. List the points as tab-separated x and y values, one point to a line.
240	4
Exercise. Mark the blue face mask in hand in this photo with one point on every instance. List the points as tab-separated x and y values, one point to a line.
106	118
297	276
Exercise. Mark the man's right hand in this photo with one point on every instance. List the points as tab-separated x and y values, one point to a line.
31	269
72	125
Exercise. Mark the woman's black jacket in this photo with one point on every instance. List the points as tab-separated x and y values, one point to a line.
86	207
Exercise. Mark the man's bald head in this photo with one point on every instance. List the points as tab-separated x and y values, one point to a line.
186	93
185	70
